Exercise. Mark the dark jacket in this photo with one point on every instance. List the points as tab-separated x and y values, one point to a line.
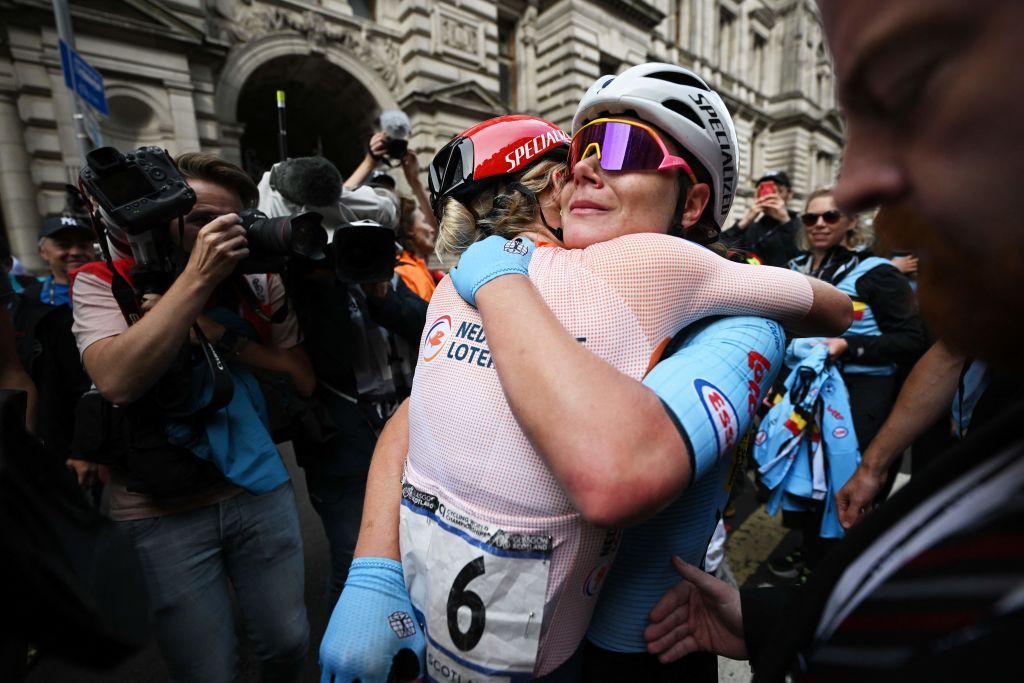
771	241
48	353
887	291
936	617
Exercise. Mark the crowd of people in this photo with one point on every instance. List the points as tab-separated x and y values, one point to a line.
510	506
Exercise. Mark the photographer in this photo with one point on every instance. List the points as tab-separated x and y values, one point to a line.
769	228
362	326
201	492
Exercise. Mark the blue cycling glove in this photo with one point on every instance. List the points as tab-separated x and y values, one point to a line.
488	259
372	628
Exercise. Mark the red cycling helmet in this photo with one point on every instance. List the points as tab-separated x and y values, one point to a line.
490	150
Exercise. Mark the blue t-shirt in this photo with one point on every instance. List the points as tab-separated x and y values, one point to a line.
54	292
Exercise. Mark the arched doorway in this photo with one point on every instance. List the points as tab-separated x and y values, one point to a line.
328	113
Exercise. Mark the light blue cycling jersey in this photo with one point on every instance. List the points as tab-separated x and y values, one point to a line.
713	378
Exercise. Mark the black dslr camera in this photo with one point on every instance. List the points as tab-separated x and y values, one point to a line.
139	195
138	190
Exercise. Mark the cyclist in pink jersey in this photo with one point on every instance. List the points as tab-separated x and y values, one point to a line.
467	488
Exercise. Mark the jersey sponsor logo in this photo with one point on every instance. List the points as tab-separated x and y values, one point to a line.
534	147
760	366
433	343
840	432
761	437
469	345
835	413
721	413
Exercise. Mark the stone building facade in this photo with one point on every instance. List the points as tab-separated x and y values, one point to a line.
201	74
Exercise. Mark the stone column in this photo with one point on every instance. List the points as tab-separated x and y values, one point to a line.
17	191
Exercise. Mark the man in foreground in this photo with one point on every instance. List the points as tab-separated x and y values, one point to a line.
931	586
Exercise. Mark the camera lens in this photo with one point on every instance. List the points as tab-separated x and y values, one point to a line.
301	234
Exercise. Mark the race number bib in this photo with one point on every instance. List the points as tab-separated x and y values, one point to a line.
478	590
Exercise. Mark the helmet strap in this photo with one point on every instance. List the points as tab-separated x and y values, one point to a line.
532	196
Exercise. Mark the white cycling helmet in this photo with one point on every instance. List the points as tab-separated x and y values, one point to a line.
680	103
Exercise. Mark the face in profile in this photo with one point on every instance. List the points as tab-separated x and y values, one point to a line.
933	133
423	235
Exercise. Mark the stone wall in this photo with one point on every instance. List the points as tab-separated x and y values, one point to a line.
174	71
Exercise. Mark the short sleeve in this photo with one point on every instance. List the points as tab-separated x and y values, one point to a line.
286	333
713	380
97	315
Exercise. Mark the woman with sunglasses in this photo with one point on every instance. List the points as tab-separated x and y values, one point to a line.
886	333
641	160
613	305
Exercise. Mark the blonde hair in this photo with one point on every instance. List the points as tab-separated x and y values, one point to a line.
856	236
503	209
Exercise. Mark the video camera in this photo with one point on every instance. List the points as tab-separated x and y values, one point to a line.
141	193
363	252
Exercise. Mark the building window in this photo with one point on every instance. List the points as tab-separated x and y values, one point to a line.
757	61
363	8
726	39
683	24
507	73
608	65
824	166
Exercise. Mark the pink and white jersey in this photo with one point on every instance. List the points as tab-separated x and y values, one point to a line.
499	563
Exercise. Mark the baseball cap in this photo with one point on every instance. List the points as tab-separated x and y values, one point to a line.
55	224
778	177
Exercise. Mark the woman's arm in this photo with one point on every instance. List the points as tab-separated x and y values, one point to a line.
365	168
623	459
676	282
378	531
830	314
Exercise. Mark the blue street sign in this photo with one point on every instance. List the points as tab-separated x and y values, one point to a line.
83	80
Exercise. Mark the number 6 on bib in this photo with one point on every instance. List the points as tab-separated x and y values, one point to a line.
479	590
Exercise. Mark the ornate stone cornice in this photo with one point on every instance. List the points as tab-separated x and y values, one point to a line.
242	22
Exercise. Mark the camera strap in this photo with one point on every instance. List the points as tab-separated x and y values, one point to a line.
123	292
244	290
222	387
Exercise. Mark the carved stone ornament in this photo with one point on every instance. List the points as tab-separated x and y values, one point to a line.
248	20
458	35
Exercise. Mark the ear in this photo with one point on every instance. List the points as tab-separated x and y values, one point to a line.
696	199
